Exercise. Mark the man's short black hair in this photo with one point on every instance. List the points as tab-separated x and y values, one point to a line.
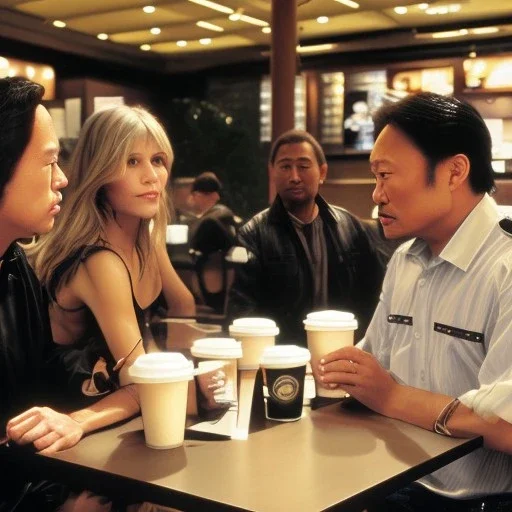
19	99
441	127
297	137
207	182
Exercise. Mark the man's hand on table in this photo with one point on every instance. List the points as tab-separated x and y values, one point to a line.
359	374
48	430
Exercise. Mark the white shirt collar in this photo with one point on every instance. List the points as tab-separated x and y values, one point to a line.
469	237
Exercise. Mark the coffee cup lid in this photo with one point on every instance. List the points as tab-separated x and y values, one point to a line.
224	348
161	367
254	327
284	356
330	320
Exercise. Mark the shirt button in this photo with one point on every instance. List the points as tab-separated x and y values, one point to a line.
422	375
421	282
417	335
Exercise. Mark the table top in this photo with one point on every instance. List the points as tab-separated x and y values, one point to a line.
332	458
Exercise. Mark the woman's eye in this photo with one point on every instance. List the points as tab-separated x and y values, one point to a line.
158	160
132	161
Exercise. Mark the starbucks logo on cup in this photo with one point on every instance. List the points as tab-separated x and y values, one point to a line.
285	388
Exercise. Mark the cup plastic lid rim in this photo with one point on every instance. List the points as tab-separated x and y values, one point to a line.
161	367
217	347
281	355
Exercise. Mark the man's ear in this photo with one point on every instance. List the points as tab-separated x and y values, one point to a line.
323	172
458	168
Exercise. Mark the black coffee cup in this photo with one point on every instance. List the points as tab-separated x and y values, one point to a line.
284	371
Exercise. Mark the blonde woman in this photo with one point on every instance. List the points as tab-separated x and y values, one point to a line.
105	263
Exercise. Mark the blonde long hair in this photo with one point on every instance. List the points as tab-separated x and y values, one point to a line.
99	158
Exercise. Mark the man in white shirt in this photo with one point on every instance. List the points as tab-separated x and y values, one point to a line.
438	350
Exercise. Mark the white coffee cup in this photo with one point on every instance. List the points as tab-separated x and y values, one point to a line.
176	234
255	334
284	372
328	331
226	351
162	383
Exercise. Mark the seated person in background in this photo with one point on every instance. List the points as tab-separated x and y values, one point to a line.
203	202
304	254
30	184
437	353
105	263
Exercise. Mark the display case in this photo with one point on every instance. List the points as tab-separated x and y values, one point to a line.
266	106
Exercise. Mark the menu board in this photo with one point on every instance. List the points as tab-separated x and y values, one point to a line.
488	73
266	106
331	108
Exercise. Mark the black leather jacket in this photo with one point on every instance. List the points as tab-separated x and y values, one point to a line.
277	281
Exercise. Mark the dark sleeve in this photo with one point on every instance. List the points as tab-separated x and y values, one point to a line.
246	292
370	268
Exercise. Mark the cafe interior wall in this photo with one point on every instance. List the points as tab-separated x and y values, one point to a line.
195	107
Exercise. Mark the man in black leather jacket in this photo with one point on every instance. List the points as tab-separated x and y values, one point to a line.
303	253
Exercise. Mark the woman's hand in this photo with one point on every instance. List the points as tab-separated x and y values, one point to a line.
48	430
211	385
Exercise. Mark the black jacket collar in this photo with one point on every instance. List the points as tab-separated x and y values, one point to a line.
278	212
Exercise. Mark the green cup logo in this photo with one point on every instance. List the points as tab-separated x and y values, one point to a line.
285	388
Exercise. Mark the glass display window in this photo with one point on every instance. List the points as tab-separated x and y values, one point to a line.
266	106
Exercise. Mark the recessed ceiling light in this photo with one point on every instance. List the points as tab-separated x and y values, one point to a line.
349	3
149	9
59	24
155	31
213	5
253	21
266	30
322	19
205	41
485	30
209	26
31	72
315	48
472	55
181	43
450	33
400	10
102	36
422	6
443	9
235	16
145	47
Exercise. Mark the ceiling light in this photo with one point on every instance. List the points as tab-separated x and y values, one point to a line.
181	43
149	9
472	55
102	36
205	41
59	24
400	10
450	33
155	31
236	15
322	19
315	48
253	21
31	72
443	9
145	47
349	3
485	30
422	6
209	26
4	63
213	5
266	30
